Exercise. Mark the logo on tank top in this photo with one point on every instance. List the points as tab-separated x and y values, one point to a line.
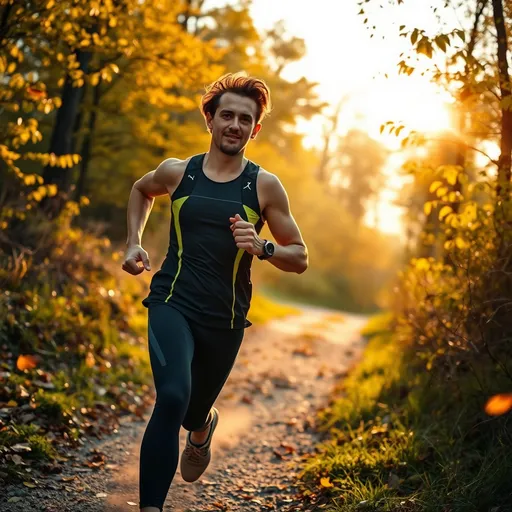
191	177
248	185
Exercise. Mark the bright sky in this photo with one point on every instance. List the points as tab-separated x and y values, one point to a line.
344	60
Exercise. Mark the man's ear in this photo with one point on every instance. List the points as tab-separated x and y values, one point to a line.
209	121
255	131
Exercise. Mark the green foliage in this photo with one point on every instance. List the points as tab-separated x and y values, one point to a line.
399	439
408	428
40	447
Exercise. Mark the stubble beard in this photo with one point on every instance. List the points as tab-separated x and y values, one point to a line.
230	151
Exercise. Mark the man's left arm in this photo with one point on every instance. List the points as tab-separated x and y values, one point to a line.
291	253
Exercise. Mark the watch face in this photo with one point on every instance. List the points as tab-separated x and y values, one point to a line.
270	248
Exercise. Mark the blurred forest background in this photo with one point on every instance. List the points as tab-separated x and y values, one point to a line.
111	89
95	93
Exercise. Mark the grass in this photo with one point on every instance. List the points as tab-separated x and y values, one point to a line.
400	439
264	309
40	447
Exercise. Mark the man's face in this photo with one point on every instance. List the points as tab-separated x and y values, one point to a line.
234	123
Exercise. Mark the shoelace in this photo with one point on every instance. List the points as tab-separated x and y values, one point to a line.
196	453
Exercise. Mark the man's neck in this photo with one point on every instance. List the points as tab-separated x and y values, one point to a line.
221	164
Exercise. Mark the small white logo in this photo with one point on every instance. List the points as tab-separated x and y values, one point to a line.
191	177
248	185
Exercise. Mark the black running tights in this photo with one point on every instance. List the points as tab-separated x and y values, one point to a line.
190	364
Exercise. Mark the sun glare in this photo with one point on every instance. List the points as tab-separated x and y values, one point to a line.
412	103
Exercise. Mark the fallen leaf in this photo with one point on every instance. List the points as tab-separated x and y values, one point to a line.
326	482
26	362
101	495
131	503
12	403
29	484
278	454
289	448
497	405
14	499
17	459
23	393
21	447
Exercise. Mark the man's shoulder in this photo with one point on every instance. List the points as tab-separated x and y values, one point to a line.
174	164
268	179
171	170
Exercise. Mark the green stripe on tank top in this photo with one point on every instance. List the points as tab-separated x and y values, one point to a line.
253	218
176	207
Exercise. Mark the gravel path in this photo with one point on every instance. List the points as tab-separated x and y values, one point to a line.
285	370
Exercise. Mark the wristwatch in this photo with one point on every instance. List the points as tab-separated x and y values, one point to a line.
268	250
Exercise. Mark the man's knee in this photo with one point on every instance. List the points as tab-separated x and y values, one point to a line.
172	399
196	421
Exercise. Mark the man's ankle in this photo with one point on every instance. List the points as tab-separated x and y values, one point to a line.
199	437
207	423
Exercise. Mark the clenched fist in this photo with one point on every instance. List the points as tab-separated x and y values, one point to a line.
135	254
245	236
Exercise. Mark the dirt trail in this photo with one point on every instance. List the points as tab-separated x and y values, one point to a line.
284	371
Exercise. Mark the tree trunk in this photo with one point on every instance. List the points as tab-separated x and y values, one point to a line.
505	160
499	330
62	136
87	143
3	21
329	133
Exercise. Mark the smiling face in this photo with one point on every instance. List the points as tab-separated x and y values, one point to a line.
234	123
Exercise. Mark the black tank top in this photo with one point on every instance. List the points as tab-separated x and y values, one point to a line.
204	275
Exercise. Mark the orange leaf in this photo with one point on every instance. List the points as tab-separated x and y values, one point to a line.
326	482
499	404
26	362
89	360
36	94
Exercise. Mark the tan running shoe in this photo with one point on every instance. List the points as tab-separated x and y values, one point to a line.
195	459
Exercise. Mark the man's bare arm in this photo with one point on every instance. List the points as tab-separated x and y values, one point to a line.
291	253
140	204
142	197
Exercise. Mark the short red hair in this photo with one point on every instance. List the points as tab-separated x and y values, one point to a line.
238	83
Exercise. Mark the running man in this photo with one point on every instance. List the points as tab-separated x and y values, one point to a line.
199	299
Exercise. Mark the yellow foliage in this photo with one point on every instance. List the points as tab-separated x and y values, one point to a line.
445	210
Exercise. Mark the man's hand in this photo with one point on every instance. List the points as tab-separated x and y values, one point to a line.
134	255
245	236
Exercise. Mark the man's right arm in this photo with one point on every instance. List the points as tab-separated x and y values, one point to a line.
161	181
